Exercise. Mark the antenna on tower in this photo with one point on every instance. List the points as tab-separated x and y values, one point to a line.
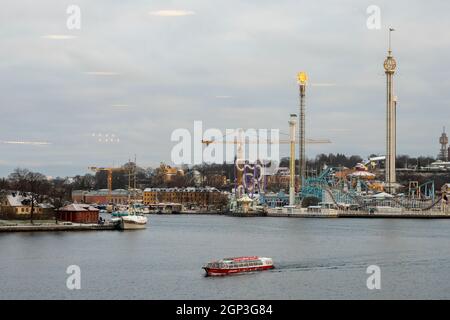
390	39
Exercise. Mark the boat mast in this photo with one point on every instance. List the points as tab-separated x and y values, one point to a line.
129	187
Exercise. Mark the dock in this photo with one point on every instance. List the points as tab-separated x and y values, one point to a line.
396	215
57	227
360	214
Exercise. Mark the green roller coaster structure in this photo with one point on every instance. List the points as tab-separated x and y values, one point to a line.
327	188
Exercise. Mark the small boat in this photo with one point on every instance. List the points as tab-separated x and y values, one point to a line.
133	221
229	266
129	219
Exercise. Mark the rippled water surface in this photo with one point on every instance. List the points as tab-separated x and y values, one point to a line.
315	259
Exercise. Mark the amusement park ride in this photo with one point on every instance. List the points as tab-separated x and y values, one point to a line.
250	175
342	188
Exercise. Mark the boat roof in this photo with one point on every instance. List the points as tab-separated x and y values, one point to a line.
238	259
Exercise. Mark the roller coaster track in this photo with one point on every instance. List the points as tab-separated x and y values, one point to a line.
323	182
431	206
330	193
360	203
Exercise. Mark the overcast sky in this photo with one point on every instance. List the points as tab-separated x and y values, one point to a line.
137	73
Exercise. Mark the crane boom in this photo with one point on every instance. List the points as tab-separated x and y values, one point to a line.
109	171
308	141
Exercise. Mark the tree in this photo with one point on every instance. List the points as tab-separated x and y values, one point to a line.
310	201
4	184
32	184
36	183
18	179
58	193
86	182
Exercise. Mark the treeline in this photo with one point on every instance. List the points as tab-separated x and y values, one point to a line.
36	185
198	175
59	189
316	165
341	160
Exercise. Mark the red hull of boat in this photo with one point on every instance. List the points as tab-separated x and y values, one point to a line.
225	272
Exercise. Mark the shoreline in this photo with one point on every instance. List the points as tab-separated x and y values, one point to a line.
361	215
62	227
57	227
339	214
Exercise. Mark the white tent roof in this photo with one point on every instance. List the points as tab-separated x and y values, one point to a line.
245	198
382	195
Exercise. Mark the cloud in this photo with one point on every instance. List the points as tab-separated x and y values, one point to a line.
323	84
231	66
33	143
172	13
102	73
224	97
59	37
120	106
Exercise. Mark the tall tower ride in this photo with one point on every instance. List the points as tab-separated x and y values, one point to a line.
302	78
390	66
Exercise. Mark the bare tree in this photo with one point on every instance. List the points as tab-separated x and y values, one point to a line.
37	184
4	184
58	194
18	179
31	184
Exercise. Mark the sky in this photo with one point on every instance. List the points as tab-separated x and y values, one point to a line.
138	70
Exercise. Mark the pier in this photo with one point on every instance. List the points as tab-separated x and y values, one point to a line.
56	227
299	213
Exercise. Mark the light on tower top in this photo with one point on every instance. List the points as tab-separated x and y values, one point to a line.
302	78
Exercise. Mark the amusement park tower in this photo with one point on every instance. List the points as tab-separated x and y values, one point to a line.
302	79
443	140
292	123
389	67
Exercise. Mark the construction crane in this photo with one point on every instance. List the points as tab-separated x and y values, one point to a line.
240	142
109	171
288	141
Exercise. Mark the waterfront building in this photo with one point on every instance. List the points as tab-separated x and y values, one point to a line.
78	213
17	205
169	173
188	197
438	166
279	180
275	200
216	180
117	196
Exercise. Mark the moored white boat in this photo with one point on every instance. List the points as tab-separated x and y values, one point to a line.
133	222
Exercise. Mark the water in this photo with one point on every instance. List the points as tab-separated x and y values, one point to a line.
315	259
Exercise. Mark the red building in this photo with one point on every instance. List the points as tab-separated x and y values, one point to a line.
118	196
78	213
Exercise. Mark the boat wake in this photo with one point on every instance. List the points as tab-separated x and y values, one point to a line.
293	267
